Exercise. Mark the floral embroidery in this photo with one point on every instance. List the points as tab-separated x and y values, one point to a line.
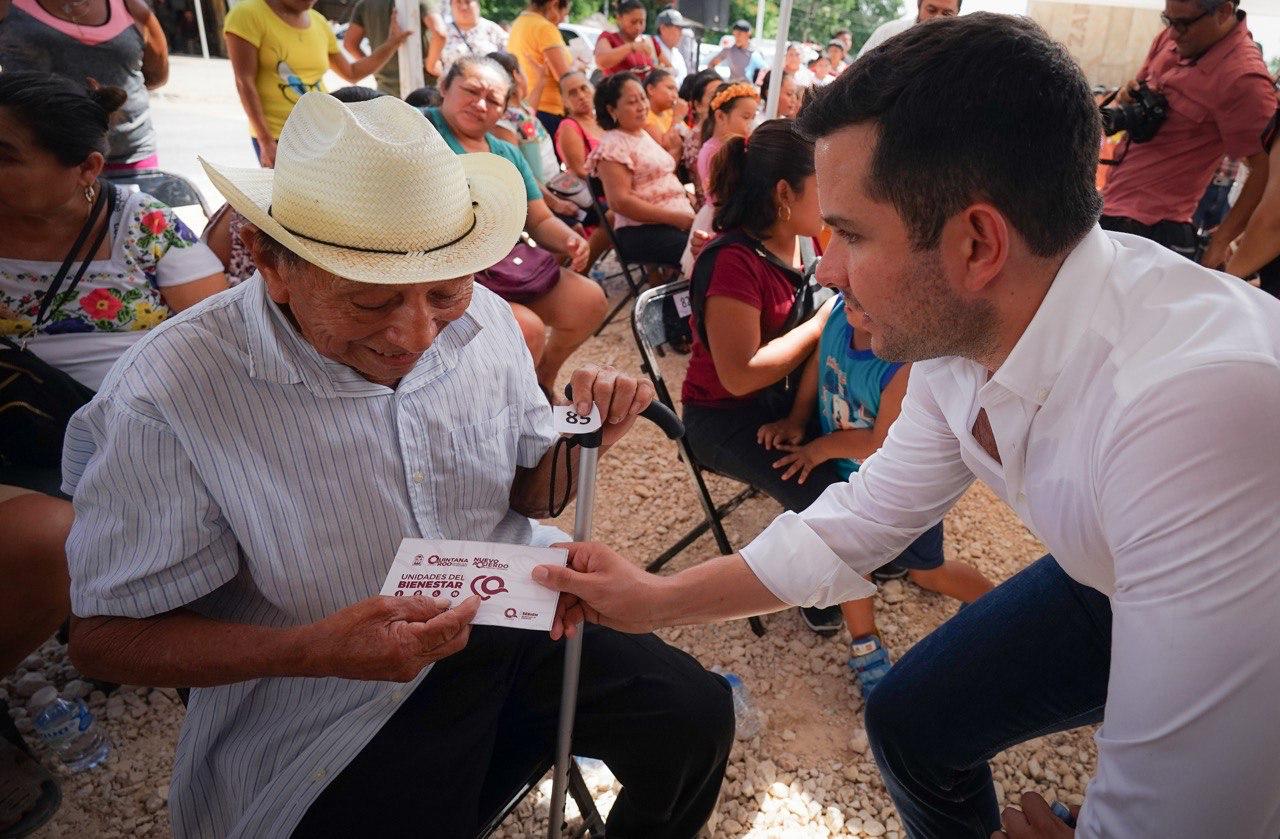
100	304
118	294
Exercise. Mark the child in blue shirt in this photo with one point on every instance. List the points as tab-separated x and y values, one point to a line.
857	397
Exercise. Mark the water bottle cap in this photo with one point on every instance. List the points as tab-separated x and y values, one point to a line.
733	679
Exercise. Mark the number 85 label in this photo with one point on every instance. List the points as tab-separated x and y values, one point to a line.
565	419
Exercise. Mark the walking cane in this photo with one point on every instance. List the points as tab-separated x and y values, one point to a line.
589	443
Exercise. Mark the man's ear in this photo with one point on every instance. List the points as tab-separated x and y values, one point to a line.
264	260
975	245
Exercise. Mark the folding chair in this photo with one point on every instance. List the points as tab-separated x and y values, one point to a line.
661	319
169	188
633	287
592	823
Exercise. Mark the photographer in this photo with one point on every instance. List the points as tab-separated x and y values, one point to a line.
1206	94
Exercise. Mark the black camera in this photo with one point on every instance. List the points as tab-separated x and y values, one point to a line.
1142	117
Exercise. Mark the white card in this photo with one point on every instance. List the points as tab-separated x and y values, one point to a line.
565	419
449	572
683	307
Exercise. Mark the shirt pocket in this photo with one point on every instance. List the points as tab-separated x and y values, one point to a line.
484	461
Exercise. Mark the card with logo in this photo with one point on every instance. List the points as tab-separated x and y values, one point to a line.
501	575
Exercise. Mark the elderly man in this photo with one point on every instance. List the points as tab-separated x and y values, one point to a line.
246	472
1118	397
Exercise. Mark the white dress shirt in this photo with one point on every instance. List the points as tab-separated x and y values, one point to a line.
885	31
1136	422
227	467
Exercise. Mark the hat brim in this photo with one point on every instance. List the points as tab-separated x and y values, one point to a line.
500	205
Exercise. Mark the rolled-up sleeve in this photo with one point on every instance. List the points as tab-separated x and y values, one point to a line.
147	537
819	556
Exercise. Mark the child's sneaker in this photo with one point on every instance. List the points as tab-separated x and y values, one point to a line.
870	662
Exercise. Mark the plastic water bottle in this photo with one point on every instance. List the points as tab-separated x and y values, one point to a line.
745	715
67	726
597	273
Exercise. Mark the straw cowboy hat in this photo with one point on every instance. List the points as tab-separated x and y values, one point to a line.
370	191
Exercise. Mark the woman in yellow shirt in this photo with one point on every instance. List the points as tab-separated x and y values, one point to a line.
279	50
537	44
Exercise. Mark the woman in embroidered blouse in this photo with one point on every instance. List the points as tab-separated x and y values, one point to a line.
53	136
652	213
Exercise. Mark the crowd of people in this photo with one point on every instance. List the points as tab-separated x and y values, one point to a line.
379	319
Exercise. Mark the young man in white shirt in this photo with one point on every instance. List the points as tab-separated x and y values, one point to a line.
1118	397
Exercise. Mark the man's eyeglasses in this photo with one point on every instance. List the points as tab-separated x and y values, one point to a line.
1182	24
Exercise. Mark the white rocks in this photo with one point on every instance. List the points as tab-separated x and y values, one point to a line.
872	827
858	741
29	683
77	689
892	592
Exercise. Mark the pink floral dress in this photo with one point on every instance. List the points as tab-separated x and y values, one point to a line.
118	298
653	171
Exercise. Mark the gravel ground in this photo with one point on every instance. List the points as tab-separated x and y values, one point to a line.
809	774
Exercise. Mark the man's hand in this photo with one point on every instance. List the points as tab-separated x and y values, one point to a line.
1216	253
387	638
784	432
601	587
621	397
577	249
1034	821
802	459
267	152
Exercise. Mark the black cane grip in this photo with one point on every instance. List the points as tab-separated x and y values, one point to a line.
657	413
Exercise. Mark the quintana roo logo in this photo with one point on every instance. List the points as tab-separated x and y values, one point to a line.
488	585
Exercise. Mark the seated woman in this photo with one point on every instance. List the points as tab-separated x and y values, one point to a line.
732	113
788	95
579	132
628	49
766	198
666	111
146	266
651	209
475	95
520	127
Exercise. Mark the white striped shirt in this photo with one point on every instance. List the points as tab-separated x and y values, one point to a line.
227	467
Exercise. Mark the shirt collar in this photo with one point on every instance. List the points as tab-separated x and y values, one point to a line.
277	353
1062	319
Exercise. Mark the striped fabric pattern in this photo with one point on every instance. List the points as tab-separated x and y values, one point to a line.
226	467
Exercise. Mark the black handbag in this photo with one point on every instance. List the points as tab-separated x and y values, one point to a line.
37	399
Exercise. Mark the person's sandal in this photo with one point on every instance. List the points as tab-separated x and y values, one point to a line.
29	795
870	662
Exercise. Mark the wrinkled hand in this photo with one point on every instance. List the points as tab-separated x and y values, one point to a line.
579	251
784	432
621	397
267	152
1034	821
599	586
802	460
387	638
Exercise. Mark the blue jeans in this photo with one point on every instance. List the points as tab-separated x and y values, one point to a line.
1029	658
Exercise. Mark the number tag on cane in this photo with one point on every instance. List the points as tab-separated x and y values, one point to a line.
566	419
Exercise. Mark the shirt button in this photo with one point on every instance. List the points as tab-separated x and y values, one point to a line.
319	774
417	477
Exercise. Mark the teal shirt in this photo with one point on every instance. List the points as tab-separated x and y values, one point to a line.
499	147
849	381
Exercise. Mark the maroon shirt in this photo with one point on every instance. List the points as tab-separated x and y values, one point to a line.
1219	104
742	275
634	60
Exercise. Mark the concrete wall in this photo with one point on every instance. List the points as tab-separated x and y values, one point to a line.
1110	42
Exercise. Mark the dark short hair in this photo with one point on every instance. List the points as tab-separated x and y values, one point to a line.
355	93
655	76
69	121
695	84
627	6
744	175
424	97
608	92
984	107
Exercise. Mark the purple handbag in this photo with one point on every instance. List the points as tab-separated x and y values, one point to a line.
523	275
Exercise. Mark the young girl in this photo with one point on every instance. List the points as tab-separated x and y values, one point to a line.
857	397
730	114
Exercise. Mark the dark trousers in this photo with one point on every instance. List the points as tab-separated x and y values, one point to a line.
460	746
1178	236
657	244
551	122
1269	275
1028	658
724	439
